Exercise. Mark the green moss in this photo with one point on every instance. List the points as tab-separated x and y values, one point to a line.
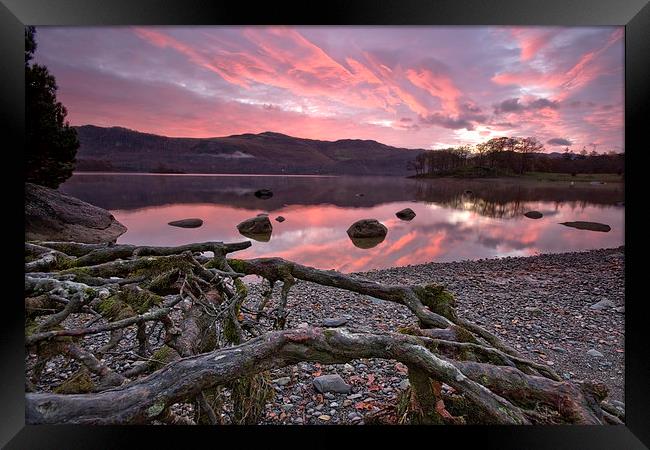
79	383
155	409
164	283
128	303
413	331
142	301
81	275
151	267
111	307
163	356
63	262
237	265
329	334
30	327
438	300
230	331
464	335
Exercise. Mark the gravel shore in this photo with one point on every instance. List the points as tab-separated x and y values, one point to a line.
541	305
546	306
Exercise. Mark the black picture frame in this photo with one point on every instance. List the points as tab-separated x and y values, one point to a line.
15	14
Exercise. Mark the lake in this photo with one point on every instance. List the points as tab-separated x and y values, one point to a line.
456	219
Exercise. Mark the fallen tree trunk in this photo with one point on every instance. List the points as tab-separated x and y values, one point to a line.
145	399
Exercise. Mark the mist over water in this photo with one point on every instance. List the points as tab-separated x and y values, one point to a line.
456	219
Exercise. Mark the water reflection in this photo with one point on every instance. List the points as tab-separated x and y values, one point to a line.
367	242
449	225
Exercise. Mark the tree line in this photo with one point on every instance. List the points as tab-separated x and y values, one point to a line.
512	156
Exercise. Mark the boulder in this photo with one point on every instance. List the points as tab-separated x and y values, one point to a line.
592	226
53	216
258	228
280	219
534	215
331	383
594	353
264	194
367	228
405	214
186	223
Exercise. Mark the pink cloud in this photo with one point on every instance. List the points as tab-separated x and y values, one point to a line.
563	82
340	82
532	40
440	86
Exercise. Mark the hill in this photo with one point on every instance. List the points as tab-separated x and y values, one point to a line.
119	149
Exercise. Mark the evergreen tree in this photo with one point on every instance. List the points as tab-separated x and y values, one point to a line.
51	144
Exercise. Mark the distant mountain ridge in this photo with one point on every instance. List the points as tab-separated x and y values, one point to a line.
119	149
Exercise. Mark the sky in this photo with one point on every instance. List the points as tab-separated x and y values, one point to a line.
414	87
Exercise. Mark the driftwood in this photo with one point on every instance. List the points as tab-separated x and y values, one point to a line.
196	336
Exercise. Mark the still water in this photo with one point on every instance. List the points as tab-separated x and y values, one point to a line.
456	219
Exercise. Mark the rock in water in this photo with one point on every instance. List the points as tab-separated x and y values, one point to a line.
367	228
534	215
53	216
334	322
258	228
280	219
367	233
186	223
264	194
592	226
405	214
331	383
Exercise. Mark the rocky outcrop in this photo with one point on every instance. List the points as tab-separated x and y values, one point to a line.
53	216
